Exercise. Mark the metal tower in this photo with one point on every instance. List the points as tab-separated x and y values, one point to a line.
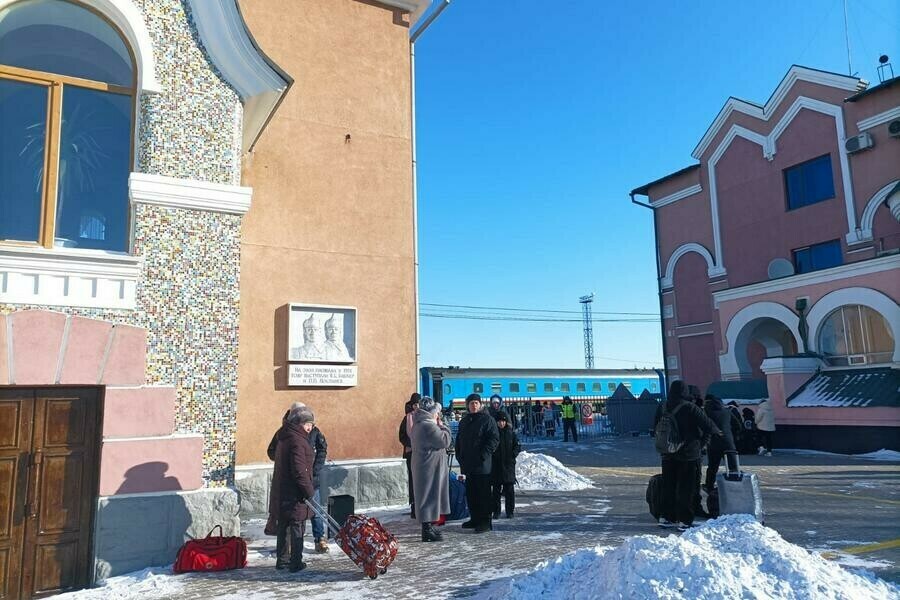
588	330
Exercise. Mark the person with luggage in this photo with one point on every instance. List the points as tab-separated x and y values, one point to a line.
292	485
679	429
430	440
765	423
569	415
503	466
475	444
730	426
411	405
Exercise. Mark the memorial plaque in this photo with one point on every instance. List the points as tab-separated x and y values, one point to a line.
318	375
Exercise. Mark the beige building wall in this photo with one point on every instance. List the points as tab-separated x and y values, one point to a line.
331	221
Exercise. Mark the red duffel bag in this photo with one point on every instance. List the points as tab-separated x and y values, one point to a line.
212	553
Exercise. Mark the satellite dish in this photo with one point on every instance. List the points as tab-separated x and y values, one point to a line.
780	267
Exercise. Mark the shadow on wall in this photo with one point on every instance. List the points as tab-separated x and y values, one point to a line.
137	530
280	348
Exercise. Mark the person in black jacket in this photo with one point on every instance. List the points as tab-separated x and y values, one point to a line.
410	407
476	441
730	425
503	466
680	469
320	448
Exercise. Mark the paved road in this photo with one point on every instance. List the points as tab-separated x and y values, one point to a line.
819	502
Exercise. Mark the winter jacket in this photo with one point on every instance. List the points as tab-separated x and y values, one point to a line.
292	481
404	439
503	462
431	485
693	426
475	443
319	445
765	417
727	424
568	410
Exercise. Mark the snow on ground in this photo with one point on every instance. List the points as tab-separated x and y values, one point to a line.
154	582
541	472
883	454
731	557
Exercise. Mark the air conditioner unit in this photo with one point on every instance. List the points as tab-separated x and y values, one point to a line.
894	128
859	142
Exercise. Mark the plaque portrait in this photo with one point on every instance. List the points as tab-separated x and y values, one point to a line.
322	334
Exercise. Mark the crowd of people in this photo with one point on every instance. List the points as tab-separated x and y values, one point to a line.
703	425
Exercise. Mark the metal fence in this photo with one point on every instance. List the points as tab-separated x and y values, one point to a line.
533	424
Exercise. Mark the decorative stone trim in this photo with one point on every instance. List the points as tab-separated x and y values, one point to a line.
786	364
879	119
188	194
675	197
712	270
68	277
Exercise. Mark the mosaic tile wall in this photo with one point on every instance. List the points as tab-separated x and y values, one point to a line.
188	295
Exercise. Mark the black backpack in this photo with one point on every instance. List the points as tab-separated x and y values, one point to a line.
668	437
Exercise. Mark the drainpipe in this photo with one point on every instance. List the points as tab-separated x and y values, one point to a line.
659	293
415	189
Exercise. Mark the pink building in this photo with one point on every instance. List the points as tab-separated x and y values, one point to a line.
779	257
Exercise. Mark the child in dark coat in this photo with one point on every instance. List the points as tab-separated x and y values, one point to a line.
503	466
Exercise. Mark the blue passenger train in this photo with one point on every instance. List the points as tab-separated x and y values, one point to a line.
451	385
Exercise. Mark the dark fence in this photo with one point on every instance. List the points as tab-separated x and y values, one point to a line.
593	420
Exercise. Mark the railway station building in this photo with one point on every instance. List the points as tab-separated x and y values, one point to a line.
778	258
206	214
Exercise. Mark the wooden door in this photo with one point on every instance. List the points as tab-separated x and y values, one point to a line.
59	486
16	408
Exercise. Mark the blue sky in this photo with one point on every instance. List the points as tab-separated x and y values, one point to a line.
536	119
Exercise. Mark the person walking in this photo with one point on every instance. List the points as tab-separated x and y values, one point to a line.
294	459
765	423
475	444
503	466
411	405
730	426
568	416
679	428
751	433
549	420
430	439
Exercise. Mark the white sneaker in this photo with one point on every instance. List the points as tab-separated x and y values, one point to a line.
683	526
768	454
665	523
761	450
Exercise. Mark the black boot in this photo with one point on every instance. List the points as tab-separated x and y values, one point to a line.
430	534
470	524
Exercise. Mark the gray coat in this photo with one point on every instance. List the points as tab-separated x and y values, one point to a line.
431	485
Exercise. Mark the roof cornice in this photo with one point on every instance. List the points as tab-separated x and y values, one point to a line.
764	113
415	7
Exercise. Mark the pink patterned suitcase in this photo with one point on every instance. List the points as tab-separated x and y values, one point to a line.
363	539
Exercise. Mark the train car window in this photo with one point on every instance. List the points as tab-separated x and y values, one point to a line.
531	388
652	386
514	388
564	387
597	386
446	388
580	387
548	387
627	385
478	388
496	388
612	386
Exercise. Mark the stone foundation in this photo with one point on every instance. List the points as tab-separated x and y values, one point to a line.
134	531
371	482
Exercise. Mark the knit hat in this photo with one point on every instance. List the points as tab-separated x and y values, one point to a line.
472	398
502	416
428	404
302	415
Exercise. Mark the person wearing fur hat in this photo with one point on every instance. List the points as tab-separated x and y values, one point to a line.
475	444
503	466
430	440
292	485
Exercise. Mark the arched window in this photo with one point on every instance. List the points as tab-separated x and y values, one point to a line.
67	87
856	335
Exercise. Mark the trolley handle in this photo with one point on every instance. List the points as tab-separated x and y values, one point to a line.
323	514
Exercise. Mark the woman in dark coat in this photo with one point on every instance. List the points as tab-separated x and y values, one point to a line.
430	440
409	407
719	445
292	483
503	466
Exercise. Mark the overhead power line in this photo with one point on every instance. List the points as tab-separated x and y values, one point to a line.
533	310
531	319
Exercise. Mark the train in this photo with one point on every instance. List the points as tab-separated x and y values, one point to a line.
451	385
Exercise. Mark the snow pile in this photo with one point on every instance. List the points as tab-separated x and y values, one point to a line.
154	582
882	454
732	557
541	472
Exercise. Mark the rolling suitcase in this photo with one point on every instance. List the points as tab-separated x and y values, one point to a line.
458	508
654	496
739	492
363	539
